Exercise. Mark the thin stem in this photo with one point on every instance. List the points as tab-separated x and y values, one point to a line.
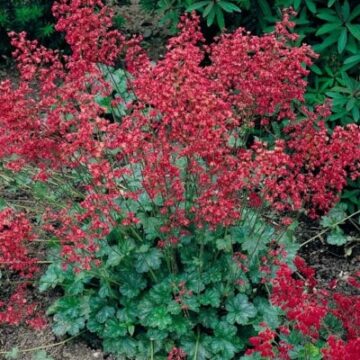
327	229
45	346
197	345
151	350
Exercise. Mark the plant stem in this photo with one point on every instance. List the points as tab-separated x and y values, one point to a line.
151	350
197	345
328	228
45	346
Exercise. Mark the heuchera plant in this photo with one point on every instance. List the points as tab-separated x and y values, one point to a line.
167	213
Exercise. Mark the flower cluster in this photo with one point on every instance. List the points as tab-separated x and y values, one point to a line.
306	307
15	233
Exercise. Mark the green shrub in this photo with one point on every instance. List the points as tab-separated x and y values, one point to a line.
34	17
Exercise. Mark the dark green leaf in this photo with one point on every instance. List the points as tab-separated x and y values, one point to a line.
354	30
220	17
342	41
198	5
228	6
240	310
150	259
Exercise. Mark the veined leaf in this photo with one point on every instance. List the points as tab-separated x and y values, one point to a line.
354	30
342	41
197	5
326	28
228	6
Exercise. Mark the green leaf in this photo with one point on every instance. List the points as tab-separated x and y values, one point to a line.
211	297
331	3
228	6
311	5
326	28
337	237
354	30
224	341
64	324
342	41
220	17
125	346
208	9
265	7
345	10
13	353
267	312
355	12
328	15
210	19
198	5
105	313
314	68
240	310
333	326
148	260
355	59
114	329
181	325
158	318
335	216
132	284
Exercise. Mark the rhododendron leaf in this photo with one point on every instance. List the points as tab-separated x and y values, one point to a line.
148	260
342	41
220	17
354	30
208	8
197	5
211	17
240	310
228	6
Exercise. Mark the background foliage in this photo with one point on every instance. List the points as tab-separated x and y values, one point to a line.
32	16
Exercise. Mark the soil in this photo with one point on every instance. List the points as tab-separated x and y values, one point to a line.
331	263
